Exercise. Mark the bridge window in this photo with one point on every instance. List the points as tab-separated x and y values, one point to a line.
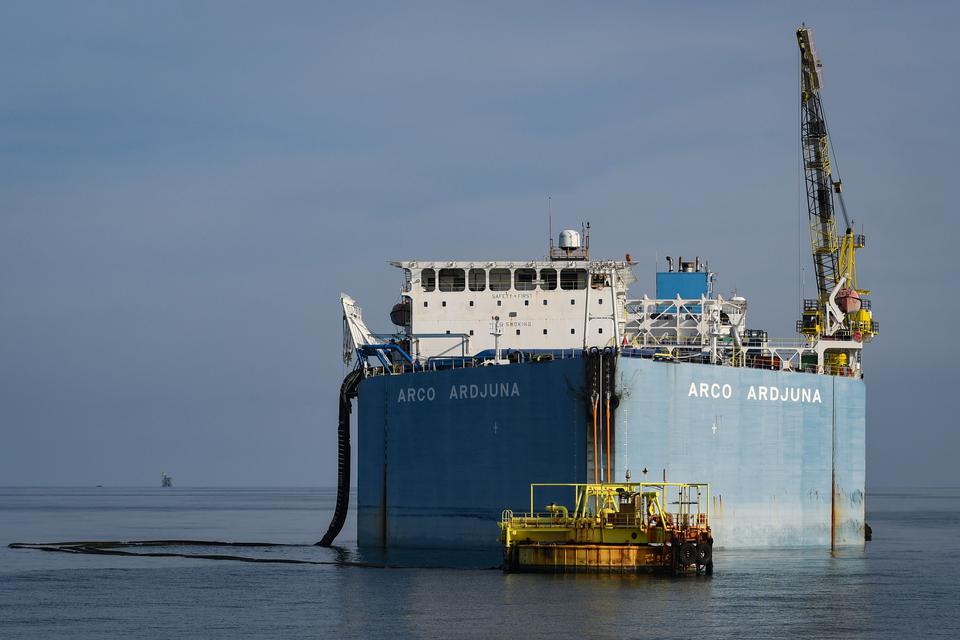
499	279
477	279
525	279
573	279
428	279
548	279
452	280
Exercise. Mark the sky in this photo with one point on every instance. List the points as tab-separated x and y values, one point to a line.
186	188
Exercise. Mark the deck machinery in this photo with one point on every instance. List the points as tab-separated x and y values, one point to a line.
613	527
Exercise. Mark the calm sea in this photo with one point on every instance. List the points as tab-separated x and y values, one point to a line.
904	586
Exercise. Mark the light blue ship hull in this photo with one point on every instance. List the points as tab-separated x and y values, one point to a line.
786	467
442	453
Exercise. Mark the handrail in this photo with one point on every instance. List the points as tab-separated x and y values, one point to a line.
750	357
600	504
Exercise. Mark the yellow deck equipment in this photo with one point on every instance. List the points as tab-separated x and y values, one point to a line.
620	527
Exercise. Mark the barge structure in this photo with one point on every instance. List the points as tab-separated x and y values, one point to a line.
613	527
501	374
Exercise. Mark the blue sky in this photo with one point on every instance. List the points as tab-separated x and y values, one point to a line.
186	187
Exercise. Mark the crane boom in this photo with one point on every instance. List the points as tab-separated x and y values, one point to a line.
838	309
816	168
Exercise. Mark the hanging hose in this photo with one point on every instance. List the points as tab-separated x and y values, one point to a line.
607	412
591	361
596	451
613	401
594	369
348	391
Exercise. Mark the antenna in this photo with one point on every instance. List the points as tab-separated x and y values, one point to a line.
586	240
550	222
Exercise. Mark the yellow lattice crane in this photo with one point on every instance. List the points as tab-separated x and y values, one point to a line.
839	309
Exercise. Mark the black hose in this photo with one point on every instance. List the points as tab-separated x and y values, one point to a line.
348	391
119	548
116	548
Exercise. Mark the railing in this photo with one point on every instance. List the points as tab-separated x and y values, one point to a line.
537	520
445	363
763	356
601	504
542	520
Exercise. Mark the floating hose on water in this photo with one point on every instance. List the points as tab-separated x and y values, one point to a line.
167	548
118	548
348	391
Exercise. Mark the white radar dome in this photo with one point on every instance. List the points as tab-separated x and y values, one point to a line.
569	239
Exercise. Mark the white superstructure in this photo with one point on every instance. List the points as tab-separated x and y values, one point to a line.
478	310
552	304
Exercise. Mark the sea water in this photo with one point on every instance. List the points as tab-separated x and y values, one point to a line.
904	585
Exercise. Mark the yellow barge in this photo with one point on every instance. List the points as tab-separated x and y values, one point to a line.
613	527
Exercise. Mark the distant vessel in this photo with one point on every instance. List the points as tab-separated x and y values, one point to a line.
165	480
507	373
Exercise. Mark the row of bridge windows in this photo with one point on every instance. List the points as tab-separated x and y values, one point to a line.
572	331
501	279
